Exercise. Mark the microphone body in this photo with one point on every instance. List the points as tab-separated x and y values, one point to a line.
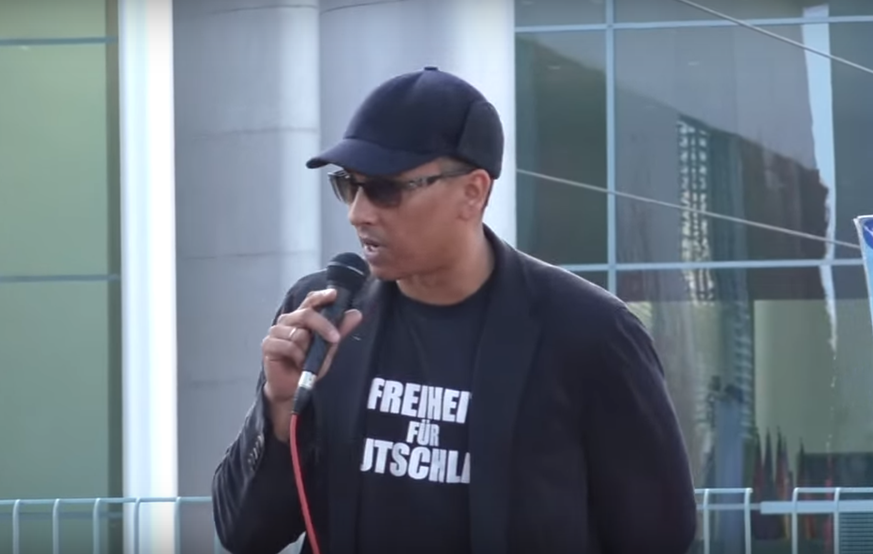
346	274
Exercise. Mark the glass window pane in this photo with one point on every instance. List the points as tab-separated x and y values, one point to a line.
765	360
730	121
74	376
29	19
671	10
558	12
778	352
561	132
770	283
58	160
60	407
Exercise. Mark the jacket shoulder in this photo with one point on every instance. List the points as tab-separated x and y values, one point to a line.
312	281
561	293
578	313
298	291
581	315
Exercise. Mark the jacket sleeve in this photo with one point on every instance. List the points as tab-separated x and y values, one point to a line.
640	484
255	505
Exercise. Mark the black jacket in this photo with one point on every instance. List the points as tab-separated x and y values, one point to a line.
574	443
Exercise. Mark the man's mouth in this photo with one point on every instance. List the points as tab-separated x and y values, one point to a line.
370	245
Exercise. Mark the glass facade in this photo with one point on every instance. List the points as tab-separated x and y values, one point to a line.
60	416
717	170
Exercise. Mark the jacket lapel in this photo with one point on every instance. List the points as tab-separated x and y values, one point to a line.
342	422
505	360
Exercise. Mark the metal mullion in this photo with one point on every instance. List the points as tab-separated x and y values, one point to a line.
611	250
757	22
533	29
726	264
20	279
80	41
697	23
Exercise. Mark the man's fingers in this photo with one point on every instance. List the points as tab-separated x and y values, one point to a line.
299	334
351	319
318	298
310	320
278	349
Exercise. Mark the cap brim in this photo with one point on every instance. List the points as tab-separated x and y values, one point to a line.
368	158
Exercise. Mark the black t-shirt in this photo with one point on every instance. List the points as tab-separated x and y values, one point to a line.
416	462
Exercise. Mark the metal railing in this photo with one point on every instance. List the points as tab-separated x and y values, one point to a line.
100	512
836	505
838	501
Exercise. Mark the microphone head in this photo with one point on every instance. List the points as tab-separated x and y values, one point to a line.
348	271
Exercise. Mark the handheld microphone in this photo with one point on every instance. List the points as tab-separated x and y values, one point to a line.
346	274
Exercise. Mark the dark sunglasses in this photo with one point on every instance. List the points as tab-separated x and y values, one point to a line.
384	191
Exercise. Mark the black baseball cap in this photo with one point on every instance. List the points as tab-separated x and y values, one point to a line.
415	118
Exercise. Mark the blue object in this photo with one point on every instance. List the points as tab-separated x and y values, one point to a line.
865	235
866	229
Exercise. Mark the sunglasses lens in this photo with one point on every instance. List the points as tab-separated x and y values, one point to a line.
343	186
383	193
380	192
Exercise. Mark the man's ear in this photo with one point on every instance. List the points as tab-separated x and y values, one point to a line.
477	191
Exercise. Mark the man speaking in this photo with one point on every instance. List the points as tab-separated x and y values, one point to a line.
473	399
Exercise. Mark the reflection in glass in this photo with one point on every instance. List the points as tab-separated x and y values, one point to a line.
731	121
561	132
671	10
770	371
558	12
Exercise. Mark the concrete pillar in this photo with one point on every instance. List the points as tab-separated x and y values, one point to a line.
473	39
247	118
149	421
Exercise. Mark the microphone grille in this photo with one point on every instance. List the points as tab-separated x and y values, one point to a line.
347	270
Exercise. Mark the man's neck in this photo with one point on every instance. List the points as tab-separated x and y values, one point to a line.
453	284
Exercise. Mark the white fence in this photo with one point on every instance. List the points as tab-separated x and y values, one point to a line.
128	516
123	519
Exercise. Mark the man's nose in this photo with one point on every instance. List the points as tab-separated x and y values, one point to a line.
361	210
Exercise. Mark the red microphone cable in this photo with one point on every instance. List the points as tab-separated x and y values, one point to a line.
346	273
301	399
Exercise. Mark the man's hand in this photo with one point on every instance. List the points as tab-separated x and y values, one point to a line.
285	347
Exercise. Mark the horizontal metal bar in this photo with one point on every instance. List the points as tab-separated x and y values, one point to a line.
67	516
713	492
769	507
727	264
728	507
92	501
542	29
693	23
788	507
833	490
18	279
60	41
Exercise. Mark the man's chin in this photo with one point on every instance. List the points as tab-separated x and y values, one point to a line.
383	272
